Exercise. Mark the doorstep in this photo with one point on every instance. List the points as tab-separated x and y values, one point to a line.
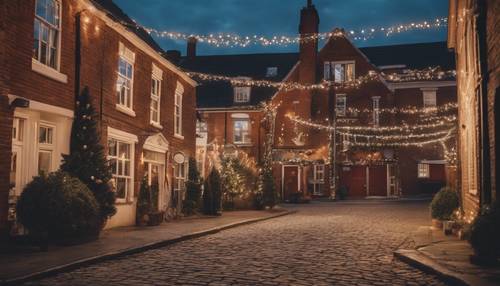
113	243
447	257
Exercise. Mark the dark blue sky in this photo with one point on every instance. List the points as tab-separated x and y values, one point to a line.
281	17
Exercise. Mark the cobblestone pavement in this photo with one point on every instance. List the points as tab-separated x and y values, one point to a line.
323	244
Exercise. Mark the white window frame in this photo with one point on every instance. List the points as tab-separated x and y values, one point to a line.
376	110
180	179
429	97
272	71
51	28
127	56
319	169
246	138
341	111
423	170
329	71
131	140
46	147
242	94
156	83
179	94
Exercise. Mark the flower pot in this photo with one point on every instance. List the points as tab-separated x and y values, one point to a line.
436	223
156	218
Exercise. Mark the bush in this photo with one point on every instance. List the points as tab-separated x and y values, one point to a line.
212	194
59	206
485	233
444	203
269	194
193	189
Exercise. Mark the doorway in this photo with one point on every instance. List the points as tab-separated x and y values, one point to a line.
290	181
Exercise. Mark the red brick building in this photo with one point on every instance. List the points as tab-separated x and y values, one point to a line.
231	115
50	50
473	35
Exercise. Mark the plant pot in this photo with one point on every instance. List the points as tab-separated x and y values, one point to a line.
436	223
156	218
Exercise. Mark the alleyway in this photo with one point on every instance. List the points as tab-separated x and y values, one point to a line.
324	243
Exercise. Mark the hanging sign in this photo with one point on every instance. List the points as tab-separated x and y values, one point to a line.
179	158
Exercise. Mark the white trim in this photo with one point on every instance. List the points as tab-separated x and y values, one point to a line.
125	110
122	135
421	84
240	116
156	143
178	136
39	106
226	110
47	71
433	162
157	72
179	93
156	125
126	53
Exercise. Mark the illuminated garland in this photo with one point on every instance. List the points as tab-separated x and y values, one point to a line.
233	40
401	144
396	137
421	75
411	110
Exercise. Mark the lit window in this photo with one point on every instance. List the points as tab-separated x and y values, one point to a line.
339	71
242	131
423	170
242	94
272	72
376	110
178	110
341	104
155	100
120	162
125	81
319	173
429	97
47	32
201	127
45	148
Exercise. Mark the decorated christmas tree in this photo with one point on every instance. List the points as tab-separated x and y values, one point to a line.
87	159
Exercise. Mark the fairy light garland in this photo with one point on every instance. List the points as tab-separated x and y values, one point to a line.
396	137
410	110
234	40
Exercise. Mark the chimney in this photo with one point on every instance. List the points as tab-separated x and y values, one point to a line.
173	56
191	47
309	26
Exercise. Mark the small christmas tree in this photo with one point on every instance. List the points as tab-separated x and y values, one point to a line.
193	188
87	159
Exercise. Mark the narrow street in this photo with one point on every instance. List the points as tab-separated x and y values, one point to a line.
347	243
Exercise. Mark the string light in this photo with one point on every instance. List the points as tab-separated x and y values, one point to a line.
396	137
234	40
410	110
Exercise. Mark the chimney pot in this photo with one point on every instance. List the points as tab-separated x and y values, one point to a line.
191	47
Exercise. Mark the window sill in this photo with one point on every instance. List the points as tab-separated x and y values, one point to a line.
178	136
125	110
47	71
156	125
123	202
243	144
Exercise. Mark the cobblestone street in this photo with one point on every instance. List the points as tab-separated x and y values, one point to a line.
323	244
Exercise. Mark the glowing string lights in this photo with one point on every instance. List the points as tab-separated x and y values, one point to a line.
233	40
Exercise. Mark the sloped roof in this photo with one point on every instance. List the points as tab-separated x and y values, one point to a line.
220	94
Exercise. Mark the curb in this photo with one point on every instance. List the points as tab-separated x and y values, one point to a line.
153	245
429	265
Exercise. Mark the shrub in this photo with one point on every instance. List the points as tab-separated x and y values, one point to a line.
269	194
212	194
485	233
444	203
59	206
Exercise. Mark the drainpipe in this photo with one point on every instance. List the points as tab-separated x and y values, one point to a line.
78	54
480	19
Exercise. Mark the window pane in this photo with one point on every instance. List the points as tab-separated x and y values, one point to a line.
113	165
121	188
124	151
42	135
126	168
339	73
36	42
41	9
44	162
112	147
349	72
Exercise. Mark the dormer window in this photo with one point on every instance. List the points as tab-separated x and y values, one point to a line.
339	72
272	72
242	94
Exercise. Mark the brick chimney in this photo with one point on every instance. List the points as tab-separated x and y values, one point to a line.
309	26
191	47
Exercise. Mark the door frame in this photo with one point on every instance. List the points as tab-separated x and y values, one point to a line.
299	171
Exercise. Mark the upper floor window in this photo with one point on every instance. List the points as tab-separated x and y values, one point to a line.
429	98
125	81
242	94
339	72
201	127
271	72
47	31
376	110
341	104
241	131
155	96
178	110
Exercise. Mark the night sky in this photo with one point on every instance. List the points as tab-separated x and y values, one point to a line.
281	17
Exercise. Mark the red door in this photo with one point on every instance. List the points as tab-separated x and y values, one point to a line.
354	178
290	181
378	181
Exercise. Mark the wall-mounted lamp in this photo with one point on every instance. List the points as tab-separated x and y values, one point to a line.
20	102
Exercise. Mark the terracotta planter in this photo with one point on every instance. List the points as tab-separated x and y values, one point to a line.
156	218
437	223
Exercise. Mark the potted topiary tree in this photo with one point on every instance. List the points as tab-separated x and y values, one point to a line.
59	208
443	205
